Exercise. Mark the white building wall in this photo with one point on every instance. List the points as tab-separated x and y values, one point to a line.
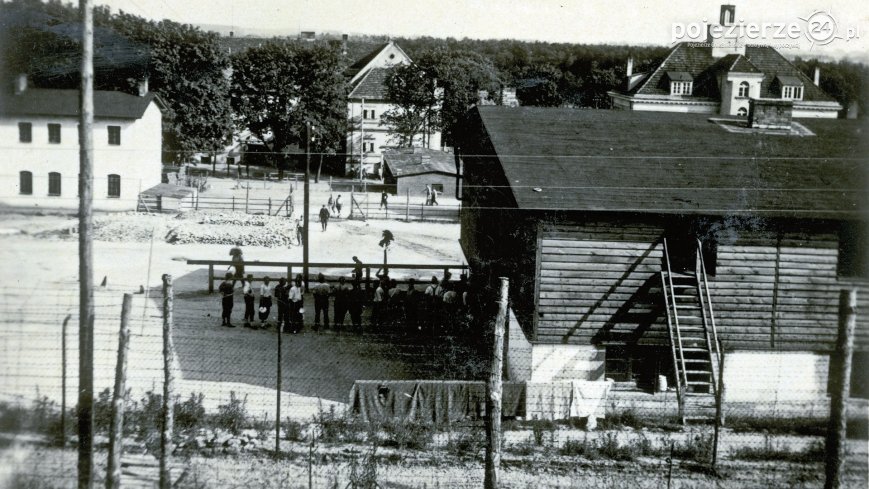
676	107
137	160
775	376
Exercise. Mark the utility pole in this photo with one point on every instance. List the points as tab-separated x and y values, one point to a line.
85	251
362	139
307	204
840	387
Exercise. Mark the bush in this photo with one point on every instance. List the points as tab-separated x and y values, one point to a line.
335	428
468	442
293	430
103	411
540	428
189	415
232	416
263	427
579	448
697	448
12	417
415	435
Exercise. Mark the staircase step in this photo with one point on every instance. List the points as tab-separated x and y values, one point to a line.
698	372
696	360
698	382
695	349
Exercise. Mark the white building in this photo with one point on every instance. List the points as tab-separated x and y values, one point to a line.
720	76
39	130
366	104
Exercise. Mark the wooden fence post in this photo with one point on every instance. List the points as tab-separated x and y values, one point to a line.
352	199
246	199
233	203
270	206
168	380
837	433
493	391
63	381
197	200
159	203
116	430
407	207
278	392
421	212
367	280
719	413
210	279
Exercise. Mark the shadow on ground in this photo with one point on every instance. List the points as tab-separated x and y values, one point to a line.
318	365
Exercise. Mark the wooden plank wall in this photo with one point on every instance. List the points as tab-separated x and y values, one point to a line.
771	290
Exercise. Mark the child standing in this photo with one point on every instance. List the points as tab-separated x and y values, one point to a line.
247	291
265	301
226	289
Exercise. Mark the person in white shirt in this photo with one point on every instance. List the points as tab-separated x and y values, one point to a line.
379	303
247	291
321	292
265	301
296	303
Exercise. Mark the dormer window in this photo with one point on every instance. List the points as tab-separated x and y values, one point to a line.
791	93
791	87
681	82
681	88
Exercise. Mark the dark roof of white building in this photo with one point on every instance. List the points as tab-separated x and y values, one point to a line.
58	102
417	161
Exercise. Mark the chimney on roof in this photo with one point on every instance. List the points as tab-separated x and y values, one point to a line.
143	87
728	15
817	76
20	83
630	70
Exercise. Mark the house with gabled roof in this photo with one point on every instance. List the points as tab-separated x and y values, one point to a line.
40	127
367	101
719	77
642	246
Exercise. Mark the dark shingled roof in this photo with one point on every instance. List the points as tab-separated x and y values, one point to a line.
359	65
416	161
657	162
699	63
55	102
372	85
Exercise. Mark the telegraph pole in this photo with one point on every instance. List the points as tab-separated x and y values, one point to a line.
362	138
85	252
307	204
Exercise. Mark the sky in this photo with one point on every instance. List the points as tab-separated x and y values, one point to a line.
574	21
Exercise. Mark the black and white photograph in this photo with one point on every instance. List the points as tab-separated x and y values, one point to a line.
415	244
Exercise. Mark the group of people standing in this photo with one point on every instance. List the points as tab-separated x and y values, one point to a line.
440	306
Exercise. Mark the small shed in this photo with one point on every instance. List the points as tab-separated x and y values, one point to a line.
165	197
411	169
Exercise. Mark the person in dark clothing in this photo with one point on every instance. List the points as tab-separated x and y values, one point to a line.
411	306
357	272
321	292
282	296
247	291
342	301
226	289
237	263
357	299
300	231
324	217
338	206
384	204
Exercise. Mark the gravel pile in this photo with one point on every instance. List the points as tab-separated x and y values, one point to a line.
233	218
271	235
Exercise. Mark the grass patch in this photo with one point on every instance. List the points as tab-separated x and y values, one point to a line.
608	446
780	452
414	435
801	426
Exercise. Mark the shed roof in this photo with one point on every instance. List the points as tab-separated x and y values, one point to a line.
417	161
57	102
656	162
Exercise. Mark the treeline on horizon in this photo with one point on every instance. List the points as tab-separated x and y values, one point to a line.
189	67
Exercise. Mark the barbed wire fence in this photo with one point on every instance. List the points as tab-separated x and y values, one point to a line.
343	425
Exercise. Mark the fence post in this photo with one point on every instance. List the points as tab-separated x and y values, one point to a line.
493	397
367	280
407	207
168	380
270	206
211	279
159	203
246	199
421	212
233	203
63	381
116	433
197	200
290	274
837	433
278	393
719	413
352	199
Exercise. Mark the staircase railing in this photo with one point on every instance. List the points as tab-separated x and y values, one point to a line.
706	306
673	324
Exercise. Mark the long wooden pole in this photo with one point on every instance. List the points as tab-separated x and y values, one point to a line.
307	204
116	430
493	398
840	390
63	380
85	252
168	381
278	384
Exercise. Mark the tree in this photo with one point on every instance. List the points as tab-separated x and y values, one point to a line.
412	90
184	65
280	86
538	86
384	243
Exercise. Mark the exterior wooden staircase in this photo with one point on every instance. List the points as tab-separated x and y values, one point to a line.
693	339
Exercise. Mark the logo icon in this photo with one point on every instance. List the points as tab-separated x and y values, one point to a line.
821	28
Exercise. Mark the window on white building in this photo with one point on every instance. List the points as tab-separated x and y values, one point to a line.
791	93
114	185
743	90
681	87
742	112
25	183
54	184
114	135
25	132
54	133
